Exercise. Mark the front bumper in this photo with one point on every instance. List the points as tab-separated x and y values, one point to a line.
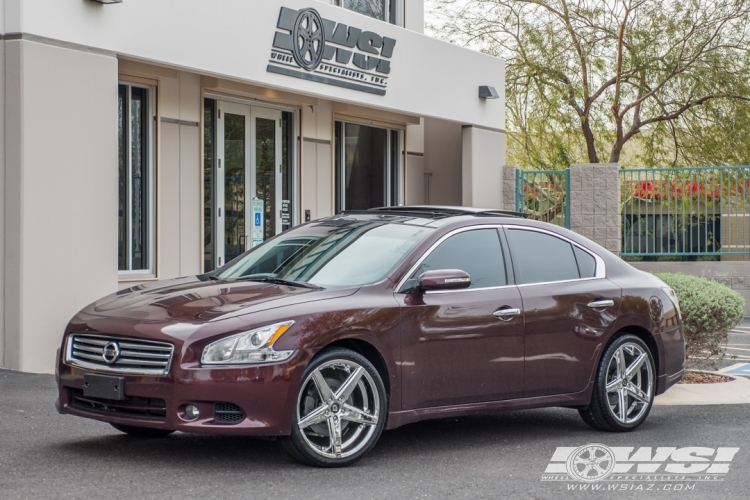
265	393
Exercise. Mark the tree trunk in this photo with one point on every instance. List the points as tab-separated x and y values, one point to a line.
614	157
590	144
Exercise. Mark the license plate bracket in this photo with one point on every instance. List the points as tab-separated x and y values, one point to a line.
104	387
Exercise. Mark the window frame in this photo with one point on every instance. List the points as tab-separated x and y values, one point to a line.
505	255
393	154
599	272
150	157
398	12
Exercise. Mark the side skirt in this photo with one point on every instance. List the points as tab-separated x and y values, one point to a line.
399	418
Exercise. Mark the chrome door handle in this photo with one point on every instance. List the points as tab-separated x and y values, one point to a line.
506	314
598	304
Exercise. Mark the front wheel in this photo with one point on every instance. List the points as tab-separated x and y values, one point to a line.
625	387
340	411
142	432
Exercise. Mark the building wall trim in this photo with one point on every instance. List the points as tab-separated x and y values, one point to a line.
316	141
491	129
180	122
57	43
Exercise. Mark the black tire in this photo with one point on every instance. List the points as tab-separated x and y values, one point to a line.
600	413
369	389
142	432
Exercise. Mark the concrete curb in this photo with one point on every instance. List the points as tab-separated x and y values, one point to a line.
736	392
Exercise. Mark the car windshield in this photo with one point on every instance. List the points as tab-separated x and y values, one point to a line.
330	253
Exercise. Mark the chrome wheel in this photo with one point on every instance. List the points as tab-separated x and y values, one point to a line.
629	382
338	409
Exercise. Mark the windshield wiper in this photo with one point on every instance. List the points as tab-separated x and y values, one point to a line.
281	281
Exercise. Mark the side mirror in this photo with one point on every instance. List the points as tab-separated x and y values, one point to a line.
444	279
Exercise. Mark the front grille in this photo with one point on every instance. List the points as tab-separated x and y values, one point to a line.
125	355
228	413
131	407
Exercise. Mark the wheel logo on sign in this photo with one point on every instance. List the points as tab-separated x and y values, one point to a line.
592	462
309	39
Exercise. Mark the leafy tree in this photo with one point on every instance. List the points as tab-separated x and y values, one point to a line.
586	77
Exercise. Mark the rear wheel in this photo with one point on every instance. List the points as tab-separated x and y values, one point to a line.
340	411
625	387
142	432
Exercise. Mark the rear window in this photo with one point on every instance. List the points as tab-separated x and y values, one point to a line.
586	263
540	257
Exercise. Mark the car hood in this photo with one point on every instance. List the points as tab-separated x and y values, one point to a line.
194	300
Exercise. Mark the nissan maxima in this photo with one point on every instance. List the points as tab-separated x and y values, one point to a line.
335	330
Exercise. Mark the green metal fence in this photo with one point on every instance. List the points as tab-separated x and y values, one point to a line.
544	195
689	211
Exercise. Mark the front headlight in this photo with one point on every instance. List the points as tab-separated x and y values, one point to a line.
254	346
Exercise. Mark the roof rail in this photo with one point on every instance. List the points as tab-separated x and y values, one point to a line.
403	212
438	212
504	213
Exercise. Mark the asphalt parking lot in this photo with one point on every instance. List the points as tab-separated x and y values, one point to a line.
46	455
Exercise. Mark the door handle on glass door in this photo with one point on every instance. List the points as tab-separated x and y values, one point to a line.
599	304
507	313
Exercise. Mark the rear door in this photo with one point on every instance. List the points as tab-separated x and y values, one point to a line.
458	346
568	305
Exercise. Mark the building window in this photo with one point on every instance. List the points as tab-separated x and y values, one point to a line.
369	169
384	10
136	180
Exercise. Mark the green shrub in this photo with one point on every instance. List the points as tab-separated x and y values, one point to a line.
709	311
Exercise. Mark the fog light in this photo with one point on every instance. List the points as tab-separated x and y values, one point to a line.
191	412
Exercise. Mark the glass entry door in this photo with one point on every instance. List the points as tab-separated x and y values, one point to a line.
248	184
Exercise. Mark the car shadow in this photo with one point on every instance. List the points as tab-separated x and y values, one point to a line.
408	443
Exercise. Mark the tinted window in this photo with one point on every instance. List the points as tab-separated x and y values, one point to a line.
539	257
476	252
586	263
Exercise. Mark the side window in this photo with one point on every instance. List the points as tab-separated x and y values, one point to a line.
135	245
476	252
586	263
540	257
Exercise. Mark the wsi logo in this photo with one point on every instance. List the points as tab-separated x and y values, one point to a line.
598	462
310	47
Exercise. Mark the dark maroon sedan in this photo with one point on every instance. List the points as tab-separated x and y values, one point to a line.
337	329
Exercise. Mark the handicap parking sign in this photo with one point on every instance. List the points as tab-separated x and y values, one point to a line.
258	210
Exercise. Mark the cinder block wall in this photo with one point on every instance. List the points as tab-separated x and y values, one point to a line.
595	203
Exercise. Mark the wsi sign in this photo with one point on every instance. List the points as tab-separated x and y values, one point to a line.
597	462
312	48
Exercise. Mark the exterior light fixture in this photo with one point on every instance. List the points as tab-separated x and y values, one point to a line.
487	92
107	1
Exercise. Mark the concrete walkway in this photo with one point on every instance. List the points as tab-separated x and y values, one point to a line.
726	393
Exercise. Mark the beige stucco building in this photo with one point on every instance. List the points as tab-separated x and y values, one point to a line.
147	140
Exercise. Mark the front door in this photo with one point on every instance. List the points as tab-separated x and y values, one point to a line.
248	178
463	346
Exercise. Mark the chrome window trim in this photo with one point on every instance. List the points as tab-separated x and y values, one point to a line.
599	273
435	245
69	360
430	292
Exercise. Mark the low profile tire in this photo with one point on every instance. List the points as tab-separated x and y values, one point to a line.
340	410
142	432
625	386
